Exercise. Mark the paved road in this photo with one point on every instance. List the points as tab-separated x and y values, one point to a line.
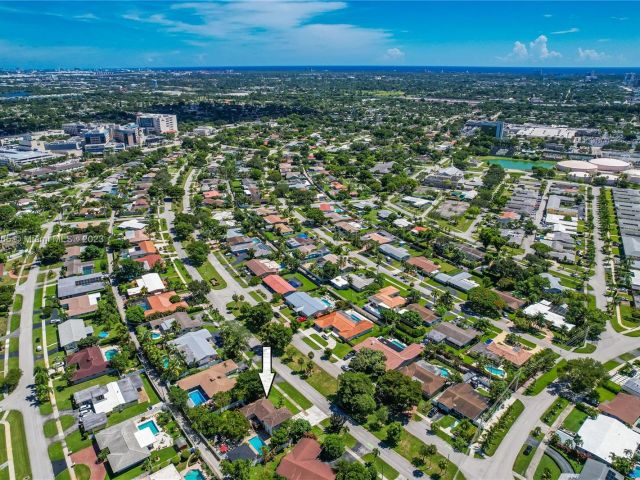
23	397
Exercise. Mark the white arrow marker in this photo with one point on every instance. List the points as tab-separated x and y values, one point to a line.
266	377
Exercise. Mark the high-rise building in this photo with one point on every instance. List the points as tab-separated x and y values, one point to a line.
97	136
130	135
158	123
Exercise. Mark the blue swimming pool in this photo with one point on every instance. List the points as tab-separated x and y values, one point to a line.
398	344
87	269
497	372
635	473
151	425
197	396
327	302
109	354
257	443
444	372
103	334
195	475
165	362
155	335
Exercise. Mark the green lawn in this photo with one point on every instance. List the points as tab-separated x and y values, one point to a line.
311	343
151	393
295	395
50	429
55	451
507	420
307	285
82	472
75	442
319	339
19	445
547	463
611	364
212	276
554	411
341	349
381	466
574	420
544	380
522	461
280	400
129	412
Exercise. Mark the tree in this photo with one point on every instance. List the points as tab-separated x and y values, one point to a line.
394	433
235	339
119	362
233	425
52	252
355	394
485	301
355	471
257	316
332	447
178	397
371	362
248	387
583	375
91	252
135	314
12	379
236	470
277	336
398	391
199	290
336	423
197	252
127	270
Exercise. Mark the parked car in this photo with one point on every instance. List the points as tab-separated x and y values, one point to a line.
345	368
432	412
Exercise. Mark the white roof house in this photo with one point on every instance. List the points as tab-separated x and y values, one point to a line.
151	281
605	436
132	224
544	307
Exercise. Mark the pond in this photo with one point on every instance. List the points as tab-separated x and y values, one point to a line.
525	165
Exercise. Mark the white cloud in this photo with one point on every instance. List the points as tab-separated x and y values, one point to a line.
591	55
564	32
394	54
534	51
547	15
86	17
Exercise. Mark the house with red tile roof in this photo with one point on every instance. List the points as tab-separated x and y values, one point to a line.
388	297
624	407
89	363
278	284
149	261
343	325
261	267
395	358
302	463
161	303
424	264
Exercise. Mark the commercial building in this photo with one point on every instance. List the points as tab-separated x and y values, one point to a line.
130	135
158	123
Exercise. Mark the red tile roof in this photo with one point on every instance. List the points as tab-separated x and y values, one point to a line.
343	325
302	463
394	358
90	363
150	259
427	266
278	284
624	407
162	303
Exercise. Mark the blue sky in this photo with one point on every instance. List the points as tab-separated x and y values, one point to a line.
238	33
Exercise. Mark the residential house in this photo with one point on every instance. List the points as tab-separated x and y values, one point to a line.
463	401
127	446
262	267
161	303
211	381
185	322
71	332
80	285
302	463
395	357
305	305
456	336
428	316
111	397
278	285
424	265
196	347
624	407
266	415
347	325
81	305
397	253
89	363
431	381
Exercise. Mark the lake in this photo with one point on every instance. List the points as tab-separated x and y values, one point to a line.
527	165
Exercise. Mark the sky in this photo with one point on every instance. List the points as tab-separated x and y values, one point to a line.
103	34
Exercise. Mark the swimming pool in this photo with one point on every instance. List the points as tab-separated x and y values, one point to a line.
103	334
398	344
197	396
327	302
498	372
165	362
155	335
636	472
194	475
444	372
87	269
257	443
109	354
151	425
